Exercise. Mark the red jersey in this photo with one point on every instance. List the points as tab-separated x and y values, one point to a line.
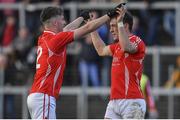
126	71
50	64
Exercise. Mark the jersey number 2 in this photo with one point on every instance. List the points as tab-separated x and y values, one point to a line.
39	53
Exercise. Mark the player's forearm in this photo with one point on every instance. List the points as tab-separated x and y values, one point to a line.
98	43
94	24
90	27
74	25
124	40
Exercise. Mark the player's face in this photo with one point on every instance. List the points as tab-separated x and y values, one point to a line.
114	29
60	23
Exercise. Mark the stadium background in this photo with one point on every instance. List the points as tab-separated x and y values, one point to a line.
157	23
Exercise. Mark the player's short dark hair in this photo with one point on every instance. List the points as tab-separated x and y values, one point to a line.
50	12
128	18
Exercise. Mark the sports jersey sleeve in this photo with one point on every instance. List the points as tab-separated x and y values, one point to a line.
112	48
60	40
140	48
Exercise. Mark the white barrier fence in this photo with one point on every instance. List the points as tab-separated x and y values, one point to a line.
79	92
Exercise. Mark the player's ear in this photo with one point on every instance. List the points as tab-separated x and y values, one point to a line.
54	22
126	25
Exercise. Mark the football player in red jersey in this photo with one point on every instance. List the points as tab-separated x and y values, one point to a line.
128	51
51	58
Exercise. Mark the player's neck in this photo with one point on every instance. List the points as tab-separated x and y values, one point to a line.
51	29
129	33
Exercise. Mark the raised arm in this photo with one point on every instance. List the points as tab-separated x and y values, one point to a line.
77	22
94	24
99	45
124	41
90	26
73	25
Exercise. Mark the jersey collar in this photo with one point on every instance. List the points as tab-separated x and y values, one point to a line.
130	35
47	31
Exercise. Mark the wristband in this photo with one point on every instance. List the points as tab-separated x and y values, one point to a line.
120	24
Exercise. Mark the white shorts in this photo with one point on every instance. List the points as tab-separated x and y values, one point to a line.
41	106
126	109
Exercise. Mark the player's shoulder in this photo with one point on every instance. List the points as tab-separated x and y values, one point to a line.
49	34
46	35
65	33
137	39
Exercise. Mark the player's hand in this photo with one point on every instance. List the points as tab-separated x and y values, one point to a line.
92	17
85	14
121	12
113	13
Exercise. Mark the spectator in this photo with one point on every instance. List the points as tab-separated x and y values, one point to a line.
22	44
137	29
152	17
175	77
169	22
9	79
32	16
7	35
151	112
9	31
88	65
